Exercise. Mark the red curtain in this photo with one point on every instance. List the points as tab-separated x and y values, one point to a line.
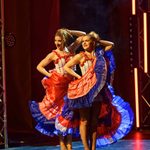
33	23
45	21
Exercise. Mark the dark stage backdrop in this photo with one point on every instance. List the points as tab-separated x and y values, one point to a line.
34	22
110	18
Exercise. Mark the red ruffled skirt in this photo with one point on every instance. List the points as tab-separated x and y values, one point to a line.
56	88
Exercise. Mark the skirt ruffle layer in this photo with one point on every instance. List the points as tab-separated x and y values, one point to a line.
116	123
46	112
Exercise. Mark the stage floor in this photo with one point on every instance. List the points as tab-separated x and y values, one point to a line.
135	140
120	145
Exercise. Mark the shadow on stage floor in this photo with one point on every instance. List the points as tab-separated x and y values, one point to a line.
135	140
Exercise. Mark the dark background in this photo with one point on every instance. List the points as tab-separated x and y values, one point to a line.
34	22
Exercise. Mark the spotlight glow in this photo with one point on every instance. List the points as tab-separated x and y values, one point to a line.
133	7
145	43
136	97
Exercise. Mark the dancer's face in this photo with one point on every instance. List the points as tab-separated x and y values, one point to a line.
59	42
88	43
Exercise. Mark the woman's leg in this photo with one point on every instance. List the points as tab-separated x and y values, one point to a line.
95	110
69	142
62	143
84	121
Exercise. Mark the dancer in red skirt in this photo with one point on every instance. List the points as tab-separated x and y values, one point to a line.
55	83
104	117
